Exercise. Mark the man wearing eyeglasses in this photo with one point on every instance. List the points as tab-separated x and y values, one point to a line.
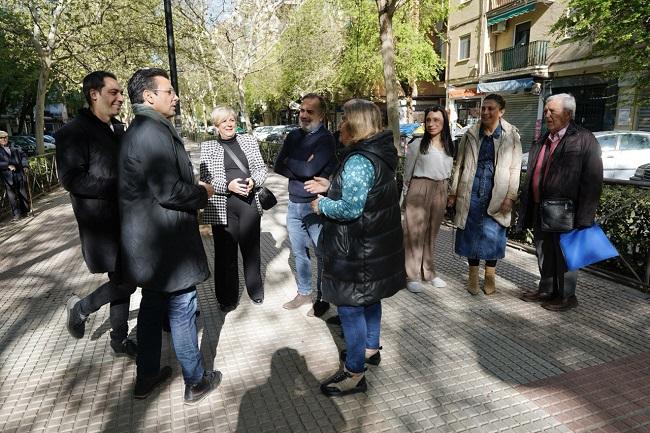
13	164
161	245
86	154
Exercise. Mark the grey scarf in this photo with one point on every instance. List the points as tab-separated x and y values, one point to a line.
147	111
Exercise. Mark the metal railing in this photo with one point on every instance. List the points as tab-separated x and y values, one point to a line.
42	177
495	4
519	56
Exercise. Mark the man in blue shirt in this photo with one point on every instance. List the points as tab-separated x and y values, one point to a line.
307	152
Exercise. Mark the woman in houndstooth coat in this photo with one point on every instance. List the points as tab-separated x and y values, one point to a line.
233	165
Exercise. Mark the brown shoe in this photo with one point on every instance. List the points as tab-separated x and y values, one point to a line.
297	302
472	283
490	283
561	304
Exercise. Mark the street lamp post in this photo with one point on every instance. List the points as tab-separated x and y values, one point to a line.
171	51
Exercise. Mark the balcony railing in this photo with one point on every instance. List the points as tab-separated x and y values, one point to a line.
495	4
520	56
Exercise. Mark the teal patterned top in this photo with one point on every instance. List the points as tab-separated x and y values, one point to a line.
357	178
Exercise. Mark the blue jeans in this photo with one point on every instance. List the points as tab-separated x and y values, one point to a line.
361	328
181	308
304	227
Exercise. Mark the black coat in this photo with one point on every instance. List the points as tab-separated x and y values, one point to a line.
363	259
575	172
86	156
161	245
17	159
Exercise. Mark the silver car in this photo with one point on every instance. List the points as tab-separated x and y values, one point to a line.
623	152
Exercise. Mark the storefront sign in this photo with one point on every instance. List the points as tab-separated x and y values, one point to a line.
455	93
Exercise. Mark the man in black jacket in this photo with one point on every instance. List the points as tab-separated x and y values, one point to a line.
307	153
13	164
162	251
564	164
86	154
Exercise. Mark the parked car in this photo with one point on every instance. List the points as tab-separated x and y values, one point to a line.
49	143
623	151
25	142
279	133
642	173
261	132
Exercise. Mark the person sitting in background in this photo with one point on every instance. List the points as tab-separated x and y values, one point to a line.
13	165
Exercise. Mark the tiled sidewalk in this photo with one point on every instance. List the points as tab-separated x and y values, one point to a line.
451	362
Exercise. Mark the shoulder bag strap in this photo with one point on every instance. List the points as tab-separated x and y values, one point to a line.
235	159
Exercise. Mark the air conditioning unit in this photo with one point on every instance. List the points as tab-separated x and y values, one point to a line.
499	27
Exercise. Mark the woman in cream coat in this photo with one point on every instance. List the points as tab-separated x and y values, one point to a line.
483	189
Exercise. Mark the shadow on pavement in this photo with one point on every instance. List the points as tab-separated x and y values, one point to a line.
292	400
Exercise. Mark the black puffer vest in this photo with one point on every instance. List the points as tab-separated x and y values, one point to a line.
363	259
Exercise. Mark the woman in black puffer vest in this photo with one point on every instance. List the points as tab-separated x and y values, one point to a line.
361	241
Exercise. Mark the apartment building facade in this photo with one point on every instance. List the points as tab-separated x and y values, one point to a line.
506	47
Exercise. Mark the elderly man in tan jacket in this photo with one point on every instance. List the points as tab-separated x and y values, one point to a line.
484	187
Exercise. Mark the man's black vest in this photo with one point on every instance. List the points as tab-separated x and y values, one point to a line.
363	259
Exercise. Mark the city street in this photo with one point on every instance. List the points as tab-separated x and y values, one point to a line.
450	362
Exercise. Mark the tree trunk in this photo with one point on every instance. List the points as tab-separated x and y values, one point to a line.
386	9
413	93
242	104
41	92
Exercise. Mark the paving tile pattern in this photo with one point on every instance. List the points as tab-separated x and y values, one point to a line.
451	362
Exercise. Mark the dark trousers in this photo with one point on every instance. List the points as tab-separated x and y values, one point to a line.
181	309
243	231
555	277
118	294
17	195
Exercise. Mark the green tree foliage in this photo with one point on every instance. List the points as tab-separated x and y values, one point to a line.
618	28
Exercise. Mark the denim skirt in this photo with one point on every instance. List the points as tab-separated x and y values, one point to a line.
483	238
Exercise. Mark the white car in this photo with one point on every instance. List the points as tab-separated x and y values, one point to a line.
261	132
623	152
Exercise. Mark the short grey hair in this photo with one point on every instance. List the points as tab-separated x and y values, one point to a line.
567	100
221	113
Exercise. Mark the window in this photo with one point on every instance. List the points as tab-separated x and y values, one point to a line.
635	142
463	47
607	142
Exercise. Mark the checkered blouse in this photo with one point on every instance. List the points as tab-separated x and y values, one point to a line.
213	172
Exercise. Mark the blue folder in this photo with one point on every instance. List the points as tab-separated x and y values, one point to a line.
586	246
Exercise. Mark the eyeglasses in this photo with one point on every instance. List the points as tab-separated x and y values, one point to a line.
170	92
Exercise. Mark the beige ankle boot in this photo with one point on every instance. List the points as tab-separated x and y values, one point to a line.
490	280
472	284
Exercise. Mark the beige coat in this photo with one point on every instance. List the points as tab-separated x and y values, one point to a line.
507	155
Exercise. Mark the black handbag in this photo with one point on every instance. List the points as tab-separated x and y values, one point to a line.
557	215
265	196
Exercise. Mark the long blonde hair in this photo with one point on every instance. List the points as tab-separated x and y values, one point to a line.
363	119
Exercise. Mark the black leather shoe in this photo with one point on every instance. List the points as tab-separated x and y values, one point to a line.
318	309
258	301
561	304
536	296
373	360
194	393
123	348
76	324
227	308
144	386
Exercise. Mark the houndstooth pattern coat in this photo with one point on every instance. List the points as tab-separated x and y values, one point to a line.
213	172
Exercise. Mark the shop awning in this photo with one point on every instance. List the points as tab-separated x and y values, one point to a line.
510	86
506	15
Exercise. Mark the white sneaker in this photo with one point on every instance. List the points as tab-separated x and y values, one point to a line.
438	283
414	286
